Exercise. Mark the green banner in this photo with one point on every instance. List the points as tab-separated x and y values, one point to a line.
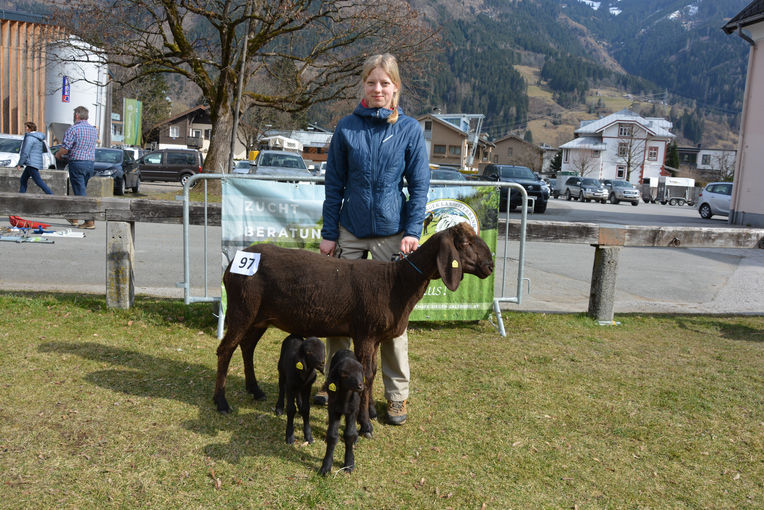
132	111
289	215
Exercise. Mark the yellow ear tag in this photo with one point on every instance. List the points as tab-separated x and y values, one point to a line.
454	263
332	387
299	365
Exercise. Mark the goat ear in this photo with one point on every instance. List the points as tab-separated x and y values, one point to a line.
449	263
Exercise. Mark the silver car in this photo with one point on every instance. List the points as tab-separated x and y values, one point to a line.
280	163
715	199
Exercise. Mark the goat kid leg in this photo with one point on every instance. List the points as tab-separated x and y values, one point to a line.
332	434
248	344
303	404
291	410
282	392
350	436
365	354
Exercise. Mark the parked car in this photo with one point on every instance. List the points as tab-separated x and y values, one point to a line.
280	163
10	150
522	175
242	167
619	190
584	189
446	174
120	166
170	165
715	199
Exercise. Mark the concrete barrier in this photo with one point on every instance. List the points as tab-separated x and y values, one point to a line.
55	179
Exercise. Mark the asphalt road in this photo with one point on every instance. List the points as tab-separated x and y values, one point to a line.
708	281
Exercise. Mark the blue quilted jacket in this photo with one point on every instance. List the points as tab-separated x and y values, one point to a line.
31	150
368	159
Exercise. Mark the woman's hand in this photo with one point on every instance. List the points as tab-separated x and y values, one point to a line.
409	244
327	247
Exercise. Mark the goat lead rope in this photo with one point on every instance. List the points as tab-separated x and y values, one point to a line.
400	255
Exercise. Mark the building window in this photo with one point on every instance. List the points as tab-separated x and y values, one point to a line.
174	133
652	153
565	155
428	125
207	134
624	129
439	150
623	150
509	152
454	150
620	172
595	154
196	133
705	159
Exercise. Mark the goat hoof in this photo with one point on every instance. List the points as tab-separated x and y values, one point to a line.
290	440
279	412
258	395
222	405
348	469
324	471
368	435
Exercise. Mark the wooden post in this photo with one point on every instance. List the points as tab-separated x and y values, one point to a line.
604	273
120	258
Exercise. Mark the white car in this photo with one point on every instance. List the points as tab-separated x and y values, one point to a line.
10	149
715	199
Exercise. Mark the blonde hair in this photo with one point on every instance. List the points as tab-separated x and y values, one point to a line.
388	64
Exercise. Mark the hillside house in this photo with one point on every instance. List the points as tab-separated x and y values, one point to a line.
706	164
622	145
513	150
450	140
746	206
315	141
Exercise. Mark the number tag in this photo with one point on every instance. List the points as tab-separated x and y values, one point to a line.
245	263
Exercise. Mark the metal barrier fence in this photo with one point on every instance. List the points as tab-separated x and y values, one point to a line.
207	298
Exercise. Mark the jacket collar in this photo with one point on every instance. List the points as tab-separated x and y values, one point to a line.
376	113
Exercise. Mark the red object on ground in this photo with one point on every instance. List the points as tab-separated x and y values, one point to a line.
22	223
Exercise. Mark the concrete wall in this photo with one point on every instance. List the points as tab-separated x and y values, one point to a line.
57	181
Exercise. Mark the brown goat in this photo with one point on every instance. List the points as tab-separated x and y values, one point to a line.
309	294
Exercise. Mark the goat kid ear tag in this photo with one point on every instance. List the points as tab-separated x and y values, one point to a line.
332	387
245	263
454	263
299	365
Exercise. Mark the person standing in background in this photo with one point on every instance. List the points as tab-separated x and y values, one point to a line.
30	156
79	142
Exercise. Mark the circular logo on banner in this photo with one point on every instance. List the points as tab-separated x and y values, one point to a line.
443	213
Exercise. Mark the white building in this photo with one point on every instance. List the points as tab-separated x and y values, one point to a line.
622	145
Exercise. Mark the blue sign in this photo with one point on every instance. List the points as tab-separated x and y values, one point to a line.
65	90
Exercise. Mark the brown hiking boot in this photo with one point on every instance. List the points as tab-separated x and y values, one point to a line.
73	223
321	398
396	412
90	225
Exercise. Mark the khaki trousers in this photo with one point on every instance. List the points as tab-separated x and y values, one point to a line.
394	352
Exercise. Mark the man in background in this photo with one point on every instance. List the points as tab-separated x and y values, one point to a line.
79	142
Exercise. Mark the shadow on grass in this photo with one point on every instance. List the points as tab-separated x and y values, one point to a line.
738	332
256	433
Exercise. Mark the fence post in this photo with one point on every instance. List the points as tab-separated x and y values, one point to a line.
604	273
120	260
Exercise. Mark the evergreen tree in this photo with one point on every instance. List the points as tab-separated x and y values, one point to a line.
528	136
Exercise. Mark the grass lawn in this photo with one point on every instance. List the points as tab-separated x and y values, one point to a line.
113	408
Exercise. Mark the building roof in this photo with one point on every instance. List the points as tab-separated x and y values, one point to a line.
204	110
654	126
585	142
751	15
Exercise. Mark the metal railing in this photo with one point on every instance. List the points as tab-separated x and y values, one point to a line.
207	298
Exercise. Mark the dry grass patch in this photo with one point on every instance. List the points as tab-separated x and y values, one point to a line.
107	408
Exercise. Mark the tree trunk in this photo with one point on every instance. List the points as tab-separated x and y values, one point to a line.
216	161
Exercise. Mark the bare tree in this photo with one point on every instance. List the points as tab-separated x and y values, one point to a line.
631	153
725	165
583	162
298	52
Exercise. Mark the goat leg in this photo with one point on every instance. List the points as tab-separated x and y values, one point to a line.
225	350
291	409
332	434
282	391
303	404
350	436
248	345
366	359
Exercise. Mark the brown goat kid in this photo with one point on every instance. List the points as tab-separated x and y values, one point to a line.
308	294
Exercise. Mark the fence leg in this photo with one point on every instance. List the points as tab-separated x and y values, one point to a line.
602	293
120	260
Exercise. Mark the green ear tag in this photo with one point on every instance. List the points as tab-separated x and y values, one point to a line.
299	365
332	387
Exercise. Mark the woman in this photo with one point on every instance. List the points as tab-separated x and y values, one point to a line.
365	209
31	156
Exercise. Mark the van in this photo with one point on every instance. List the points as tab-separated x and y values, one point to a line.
170	165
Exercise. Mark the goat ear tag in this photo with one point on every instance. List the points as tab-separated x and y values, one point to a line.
299	365
245	263
332	387
454	264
